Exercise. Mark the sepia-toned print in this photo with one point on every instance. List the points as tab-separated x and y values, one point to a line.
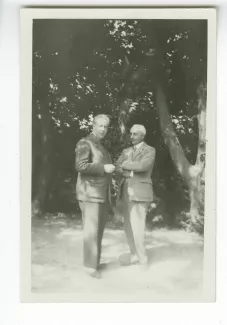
121	111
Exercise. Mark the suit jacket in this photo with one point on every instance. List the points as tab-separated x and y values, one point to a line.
93	184
141	162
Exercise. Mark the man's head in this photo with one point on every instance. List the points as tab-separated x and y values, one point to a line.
137	133
100	125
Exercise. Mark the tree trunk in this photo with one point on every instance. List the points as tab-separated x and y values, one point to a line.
190	173
169	135
44	172
197	170
195	198
123	118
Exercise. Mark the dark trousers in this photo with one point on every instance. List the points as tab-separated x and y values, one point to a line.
94	217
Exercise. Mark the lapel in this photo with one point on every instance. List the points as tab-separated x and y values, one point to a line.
138	151
94	139
98	144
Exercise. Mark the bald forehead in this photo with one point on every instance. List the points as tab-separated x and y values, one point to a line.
137	128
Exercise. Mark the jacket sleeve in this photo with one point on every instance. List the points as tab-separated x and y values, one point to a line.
143	164
118	165
82	160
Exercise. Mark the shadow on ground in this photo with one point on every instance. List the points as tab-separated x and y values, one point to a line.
175	262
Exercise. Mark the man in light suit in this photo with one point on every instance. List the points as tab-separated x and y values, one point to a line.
135	191
93	189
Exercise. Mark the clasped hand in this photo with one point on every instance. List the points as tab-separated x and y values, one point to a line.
109	168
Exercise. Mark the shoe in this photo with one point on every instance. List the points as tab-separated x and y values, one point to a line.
96	274
144	266
132	261
103	266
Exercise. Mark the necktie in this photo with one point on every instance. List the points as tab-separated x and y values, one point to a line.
133	156
133	152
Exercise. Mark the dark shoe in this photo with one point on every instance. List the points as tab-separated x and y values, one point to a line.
103	266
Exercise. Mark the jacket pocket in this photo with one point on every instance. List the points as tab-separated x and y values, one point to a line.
146	181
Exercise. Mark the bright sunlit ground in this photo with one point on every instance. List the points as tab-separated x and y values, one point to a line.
175	262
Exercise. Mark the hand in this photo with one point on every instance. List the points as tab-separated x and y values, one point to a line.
109	168
126	173
125	162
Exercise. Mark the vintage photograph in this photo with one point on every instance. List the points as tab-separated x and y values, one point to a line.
118	107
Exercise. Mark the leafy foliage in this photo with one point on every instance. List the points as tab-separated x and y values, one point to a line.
80	70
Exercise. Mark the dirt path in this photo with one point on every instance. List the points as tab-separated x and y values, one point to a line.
175	262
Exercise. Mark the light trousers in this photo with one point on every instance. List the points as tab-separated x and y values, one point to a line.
134	213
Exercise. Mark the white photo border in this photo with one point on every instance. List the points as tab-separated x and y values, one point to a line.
27	16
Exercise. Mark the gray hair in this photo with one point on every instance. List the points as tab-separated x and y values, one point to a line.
140	128
101	116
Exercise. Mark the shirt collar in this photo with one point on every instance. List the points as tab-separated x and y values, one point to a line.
95	136
138	145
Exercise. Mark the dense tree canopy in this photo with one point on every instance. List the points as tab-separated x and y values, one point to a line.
136	71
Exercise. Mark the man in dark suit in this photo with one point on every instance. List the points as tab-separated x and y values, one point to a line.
93	188
135	191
